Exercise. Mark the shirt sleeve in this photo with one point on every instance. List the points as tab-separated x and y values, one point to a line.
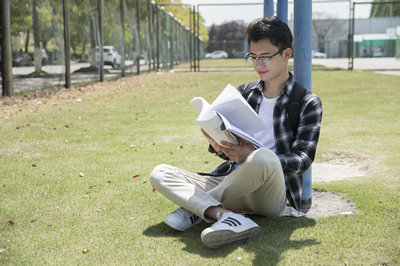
304	147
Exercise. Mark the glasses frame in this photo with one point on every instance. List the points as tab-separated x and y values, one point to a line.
263	59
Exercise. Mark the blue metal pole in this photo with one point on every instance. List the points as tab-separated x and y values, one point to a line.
268	8
282	10
302	69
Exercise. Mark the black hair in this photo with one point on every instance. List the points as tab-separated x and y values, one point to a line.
271	28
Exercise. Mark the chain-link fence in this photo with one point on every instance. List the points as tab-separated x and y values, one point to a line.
374	27
36	38
135	36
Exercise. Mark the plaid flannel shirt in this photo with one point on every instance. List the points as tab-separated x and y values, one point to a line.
295	152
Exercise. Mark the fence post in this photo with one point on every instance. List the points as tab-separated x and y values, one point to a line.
351	41
190	37
171	40
37	55
194	39
138	34
155	32
158	36
101	48
268	8
302	71
67	44
282	10
6	67
122	8
198	39
149	50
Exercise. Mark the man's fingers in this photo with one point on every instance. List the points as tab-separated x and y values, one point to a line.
243	141
215	145
205	133
228	144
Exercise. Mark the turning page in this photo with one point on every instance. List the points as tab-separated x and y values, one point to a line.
228	116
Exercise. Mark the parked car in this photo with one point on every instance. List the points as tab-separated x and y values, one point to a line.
218	54
319	54
22	59
111	56
377	54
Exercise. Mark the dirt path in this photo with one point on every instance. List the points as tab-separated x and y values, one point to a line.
339	166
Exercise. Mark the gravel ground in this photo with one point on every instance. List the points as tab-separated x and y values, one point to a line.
339	166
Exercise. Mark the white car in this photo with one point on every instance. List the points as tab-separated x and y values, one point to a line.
218	54
111	57
319	55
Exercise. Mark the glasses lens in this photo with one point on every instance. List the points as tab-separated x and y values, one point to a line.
263	60
249	59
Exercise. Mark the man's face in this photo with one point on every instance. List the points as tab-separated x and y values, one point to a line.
273	68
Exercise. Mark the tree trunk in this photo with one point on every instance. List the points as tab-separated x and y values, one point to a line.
92	55
27	40
38	56
82	57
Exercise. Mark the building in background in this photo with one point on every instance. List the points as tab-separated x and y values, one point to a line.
372	37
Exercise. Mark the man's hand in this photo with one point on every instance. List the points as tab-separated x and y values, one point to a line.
216	146
236	152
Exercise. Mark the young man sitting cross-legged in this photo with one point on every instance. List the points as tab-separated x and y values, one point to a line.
260	181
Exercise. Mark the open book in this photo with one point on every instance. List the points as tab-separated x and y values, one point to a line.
228	116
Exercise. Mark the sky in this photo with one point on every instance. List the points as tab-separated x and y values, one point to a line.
246	13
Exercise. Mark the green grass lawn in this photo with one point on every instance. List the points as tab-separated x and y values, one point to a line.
74	173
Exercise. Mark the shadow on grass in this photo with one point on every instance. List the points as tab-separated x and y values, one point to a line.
269	245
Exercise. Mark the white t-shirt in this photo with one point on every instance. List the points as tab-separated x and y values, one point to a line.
266	114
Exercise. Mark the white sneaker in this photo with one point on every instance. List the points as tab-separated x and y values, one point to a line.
182	219
231	227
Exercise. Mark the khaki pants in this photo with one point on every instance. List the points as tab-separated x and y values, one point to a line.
256	186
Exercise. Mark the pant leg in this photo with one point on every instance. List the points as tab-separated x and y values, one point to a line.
185	189
257	186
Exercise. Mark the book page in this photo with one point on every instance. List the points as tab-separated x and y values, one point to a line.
229	115
212	124
240	133
210	121
231	104
200	104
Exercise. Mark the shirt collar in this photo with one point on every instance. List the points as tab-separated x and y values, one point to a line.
287	89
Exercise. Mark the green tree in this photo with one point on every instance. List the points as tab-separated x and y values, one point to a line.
229	36
81	18
21	24
181	12
380	9
47	29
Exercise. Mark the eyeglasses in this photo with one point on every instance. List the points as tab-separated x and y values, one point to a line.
263	60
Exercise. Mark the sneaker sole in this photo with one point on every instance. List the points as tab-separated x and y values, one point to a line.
181	229
215	239
173	226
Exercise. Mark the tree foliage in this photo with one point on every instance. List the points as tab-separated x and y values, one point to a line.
228	36
380	9
324	27
21	17
182	13
84	24
230	31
